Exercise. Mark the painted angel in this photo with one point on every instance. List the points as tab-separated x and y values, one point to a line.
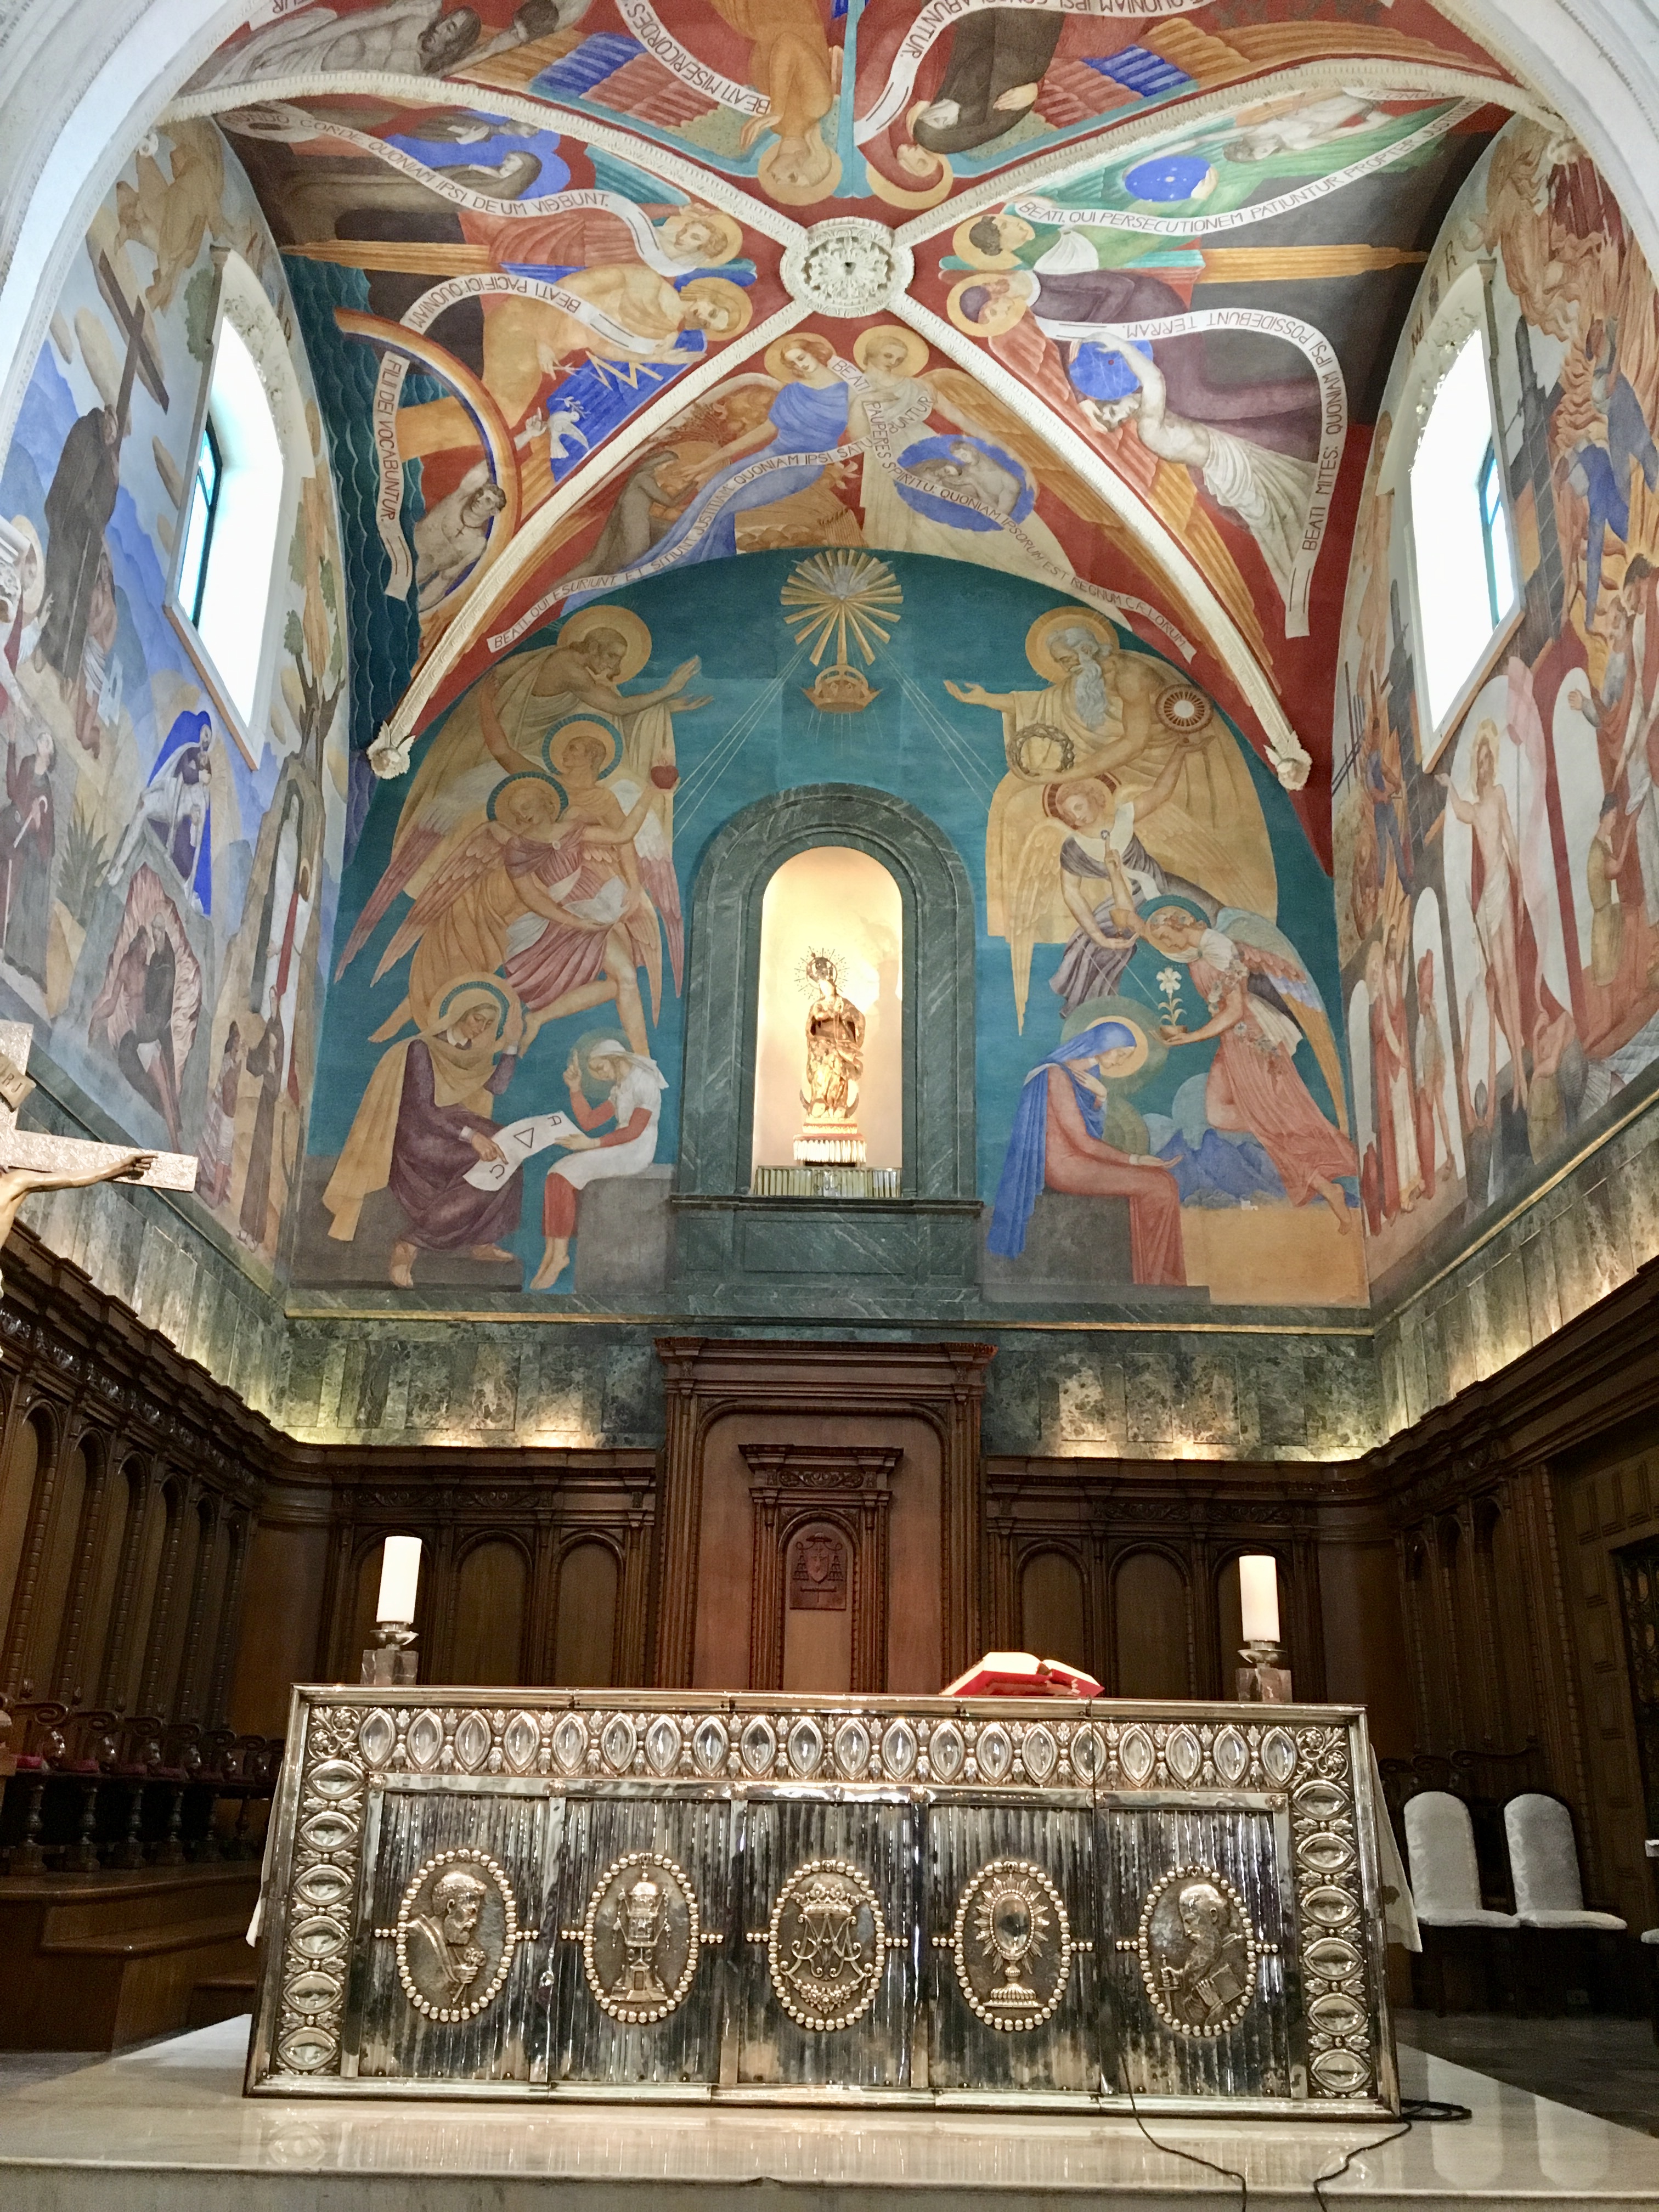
1262	1002
1169	488
1104	874
1106	716
530	872
606	886
501	727
986	478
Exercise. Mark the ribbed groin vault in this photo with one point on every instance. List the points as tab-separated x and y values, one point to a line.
913	733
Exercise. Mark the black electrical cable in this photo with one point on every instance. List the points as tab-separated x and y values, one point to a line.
1411	2110
1173	2150
1335	2172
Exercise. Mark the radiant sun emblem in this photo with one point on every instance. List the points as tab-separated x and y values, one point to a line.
1013	1945
851	599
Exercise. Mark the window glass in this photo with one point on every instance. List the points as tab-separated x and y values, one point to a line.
1460	536
230	540
199	528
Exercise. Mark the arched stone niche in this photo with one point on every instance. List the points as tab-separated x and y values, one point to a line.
921	1248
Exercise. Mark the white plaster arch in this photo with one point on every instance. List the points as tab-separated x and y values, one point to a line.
120	65
1596	62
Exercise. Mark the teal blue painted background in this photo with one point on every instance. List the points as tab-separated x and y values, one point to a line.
761	736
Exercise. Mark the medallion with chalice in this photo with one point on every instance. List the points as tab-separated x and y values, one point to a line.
1013	1945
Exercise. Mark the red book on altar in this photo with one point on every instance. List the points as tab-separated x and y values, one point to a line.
1022	1674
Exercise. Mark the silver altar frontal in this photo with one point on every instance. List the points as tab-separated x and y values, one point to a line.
554	1894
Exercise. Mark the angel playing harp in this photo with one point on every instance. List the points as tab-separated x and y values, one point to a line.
1262	1002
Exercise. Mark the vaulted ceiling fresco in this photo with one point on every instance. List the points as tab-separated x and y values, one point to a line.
1095	293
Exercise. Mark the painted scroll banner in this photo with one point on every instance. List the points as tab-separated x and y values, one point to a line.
1050	216
388	385
648	26
519	1142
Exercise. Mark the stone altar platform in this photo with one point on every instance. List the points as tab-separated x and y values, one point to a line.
166	2128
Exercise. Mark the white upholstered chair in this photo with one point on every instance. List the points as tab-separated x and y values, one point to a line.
1549	1891
1445	1879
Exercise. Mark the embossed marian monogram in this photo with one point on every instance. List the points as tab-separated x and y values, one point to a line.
827	1944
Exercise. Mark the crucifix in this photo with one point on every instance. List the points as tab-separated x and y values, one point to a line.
142	361
30	1161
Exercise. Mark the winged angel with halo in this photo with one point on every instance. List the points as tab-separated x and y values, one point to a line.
1260	1000
957	501
1111	739
537	840
1261	1003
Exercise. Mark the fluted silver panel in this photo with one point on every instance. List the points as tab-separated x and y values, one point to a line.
554	1893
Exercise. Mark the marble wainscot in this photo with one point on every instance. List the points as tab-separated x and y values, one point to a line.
1039	1904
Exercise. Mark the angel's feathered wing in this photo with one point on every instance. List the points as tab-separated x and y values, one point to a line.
1273	960
467	859
447	798
661	886
654	854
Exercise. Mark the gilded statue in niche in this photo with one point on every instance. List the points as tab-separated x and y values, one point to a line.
834	1047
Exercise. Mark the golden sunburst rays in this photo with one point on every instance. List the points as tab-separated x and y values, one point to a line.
842	595
851	598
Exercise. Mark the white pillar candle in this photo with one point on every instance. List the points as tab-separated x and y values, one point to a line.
1258	1599
400	1576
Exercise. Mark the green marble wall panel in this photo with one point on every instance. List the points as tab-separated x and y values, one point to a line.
137	1246
1578	1240
1095	1395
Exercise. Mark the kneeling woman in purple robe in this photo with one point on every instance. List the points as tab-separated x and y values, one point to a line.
426	1121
